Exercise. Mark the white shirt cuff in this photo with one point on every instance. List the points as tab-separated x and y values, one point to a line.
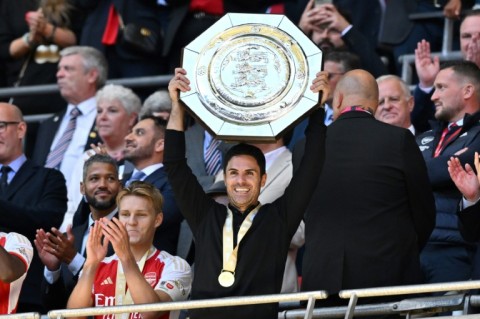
51	276
346	30
466	203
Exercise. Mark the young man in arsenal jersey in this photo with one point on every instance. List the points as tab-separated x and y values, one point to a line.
137	273
16	254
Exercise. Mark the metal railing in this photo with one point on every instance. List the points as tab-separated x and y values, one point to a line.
455	300
160	81
195	304
446	53
354	294
26	315
139	82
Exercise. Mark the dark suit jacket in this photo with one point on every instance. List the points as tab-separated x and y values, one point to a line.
35	198
55	296
373	209
166	236
46	134
469	222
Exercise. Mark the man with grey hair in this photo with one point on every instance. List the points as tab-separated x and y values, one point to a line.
395	102
158	104
63	138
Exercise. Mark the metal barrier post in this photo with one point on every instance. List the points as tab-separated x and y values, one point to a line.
447	36
310	306
351	306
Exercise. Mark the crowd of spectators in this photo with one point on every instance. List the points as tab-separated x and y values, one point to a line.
129	166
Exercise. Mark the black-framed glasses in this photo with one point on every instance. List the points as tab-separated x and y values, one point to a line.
4	124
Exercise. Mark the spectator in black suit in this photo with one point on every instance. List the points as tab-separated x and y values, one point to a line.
373	210
32	197
144	149
64	254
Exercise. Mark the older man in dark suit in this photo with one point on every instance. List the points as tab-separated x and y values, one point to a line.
31	197
373	209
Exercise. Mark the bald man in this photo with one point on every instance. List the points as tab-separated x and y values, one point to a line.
373	209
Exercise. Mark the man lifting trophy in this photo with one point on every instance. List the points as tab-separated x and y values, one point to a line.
247	78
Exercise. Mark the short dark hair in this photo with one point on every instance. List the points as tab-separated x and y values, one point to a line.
348	60
159	124
99	158
245	149
466	70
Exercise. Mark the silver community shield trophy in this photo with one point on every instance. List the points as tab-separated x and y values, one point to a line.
250	76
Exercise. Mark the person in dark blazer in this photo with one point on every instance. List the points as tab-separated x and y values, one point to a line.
31	197
373	209
64	254
144	149
82	71
190	18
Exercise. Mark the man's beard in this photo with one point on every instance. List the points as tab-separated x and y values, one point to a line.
101	205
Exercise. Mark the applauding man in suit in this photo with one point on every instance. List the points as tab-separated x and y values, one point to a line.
64	254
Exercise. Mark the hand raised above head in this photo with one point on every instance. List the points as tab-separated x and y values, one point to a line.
426	66
179	82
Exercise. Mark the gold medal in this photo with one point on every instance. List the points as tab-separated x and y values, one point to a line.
226	278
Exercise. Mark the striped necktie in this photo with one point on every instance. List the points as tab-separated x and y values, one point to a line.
213	158
55	156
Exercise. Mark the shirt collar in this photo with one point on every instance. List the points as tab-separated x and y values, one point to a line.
17	163
86	107
149	169
109	216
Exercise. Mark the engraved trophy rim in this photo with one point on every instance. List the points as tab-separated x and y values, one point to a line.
250	76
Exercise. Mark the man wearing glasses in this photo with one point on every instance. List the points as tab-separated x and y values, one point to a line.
31	197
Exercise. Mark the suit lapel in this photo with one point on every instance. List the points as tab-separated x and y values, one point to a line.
79	233
155	177
20	178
